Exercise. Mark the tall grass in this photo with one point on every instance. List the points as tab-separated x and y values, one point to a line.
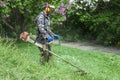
20	61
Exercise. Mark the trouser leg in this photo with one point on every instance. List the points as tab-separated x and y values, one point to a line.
45	55
42	56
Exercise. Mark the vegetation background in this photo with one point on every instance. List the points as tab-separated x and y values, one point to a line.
97	20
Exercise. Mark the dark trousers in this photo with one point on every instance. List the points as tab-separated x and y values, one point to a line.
45	55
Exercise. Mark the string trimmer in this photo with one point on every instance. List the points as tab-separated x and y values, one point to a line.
25	37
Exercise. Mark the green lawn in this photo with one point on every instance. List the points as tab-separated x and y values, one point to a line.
21	62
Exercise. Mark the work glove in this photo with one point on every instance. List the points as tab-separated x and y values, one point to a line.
56	36
49	39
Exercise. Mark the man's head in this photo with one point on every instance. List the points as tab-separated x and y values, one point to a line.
48	8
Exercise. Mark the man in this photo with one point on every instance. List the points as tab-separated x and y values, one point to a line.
45	35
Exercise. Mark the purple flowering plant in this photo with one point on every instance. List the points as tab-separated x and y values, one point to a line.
62	10
2	3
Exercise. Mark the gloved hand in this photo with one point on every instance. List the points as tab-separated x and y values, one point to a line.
56	36
49	39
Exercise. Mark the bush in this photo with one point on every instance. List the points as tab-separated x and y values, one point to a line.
100	24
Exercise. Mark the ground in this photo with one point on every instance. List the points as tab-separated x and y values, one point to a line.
21	62
87	45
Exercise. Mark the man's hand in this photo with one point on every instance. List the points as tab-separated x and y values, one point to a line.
56	36
49	39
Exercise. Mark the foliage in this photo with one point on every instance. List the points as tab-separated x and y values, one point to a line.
73	19
104	23
97	20
18	15
21	62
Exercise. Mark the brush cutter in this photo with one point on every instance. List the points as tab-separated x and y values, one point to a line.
25	37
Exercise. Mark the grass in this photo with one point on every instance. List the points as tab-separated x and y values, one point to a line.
20	61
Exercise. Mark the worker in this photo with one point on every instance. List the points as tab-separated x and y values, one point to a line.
45	35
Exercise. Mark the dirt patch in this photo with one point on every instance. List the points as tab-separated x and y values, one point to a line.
86	45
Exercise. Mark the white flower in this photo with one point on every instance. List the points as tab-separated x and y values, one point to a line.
71	1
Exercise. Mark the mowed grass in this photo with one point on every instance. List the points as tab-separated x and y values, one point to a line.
20	61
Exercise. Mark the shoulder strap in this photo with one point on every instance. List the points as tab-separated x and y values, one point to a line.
44	18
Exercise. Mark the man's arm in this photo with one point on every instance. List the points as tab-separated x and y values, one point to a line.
40	23
50	32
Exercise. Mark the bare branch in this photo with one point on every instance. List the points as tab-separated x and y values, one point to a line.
11	27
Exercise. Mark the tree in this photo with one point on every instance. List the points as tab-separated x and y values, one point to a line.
18	15
97	19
